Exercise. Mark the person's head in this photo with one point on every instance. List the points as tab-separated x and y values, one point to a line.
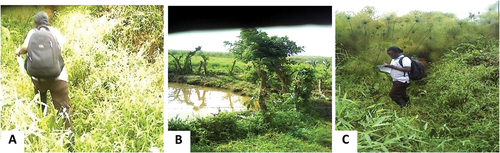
394	51
41	18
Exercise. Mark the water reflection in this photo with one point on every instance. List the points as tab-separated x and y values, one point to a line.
197	101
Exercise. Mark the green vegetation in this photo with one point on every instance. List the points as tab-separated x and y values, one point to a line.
244	78
229	132
115	84
454	108
291	105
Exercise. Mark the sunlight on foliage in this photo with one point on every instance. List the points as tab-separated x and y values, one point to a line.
115	92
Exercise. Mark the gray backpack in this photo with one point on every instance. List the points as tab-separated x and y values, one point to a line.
43	59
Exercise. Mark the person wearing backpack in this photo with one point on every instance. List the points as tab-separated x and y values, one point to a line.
45	66
400	67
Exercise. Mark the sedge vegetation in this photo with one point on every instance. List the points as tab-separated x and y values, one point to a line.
454	108
114	58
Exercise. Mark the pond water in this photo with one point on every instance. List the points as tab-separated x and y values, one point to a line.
189	101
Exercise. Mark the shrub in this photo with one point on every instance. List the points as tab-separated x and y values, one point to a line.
140	31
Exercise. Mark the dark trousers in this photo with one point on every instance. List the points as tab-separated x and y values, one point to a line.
59	93
398	91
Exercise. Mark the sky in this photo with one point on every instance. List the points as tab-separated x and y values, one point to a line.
460	8
317	40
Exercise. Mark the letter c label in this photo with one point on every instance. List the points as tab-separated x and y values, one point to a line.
343	139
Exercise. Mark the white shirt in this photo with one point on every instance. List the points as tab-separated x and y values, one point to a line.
398	75
61	40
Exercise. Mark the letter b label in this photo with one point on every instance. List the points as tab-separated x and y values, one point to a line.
179	141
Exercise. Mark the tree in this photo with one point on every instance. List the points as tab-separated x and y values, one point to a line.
187	69
237	53
177	62
322	74
205	58
267	55
302	87
203	63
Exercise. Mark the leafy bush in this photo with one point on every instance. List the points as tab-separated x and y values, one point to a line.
215	133
465	76
251	76
140	31
288	120
219	128
302	86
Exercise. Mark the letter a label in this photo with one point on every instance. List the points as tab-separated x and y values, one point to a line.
12	141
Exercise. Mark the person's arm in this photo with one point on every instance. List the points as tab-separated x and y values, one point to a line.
22	50
24	47
404	69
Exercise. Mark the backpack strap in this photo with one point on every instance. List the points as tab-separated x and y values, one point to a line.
401	64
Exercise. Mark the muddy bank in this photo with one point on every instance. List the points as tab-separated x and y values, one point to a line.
322	105
241	88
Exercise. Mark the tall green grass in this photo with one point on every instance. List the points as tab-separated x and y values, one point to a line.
288	131
116	94
453	109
